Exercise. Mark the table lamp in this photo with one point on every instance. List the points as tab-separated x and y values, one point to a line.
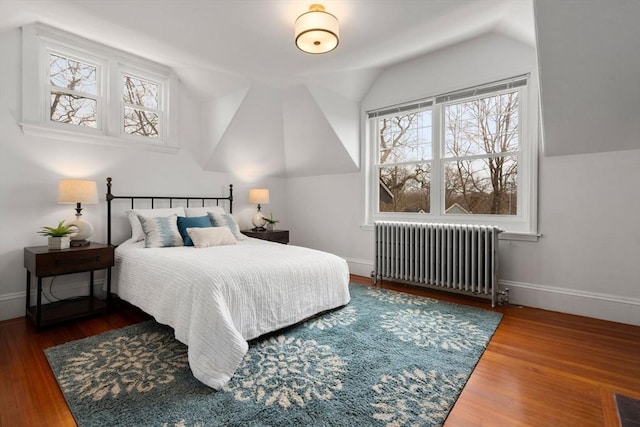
78	191
258	196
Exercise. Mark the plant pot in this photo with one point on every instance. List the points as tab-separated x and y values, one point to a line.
59	242
270	227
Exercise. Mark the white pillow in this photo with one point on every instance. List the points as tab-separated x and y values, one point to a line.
204	237
203	211
161	231
136	229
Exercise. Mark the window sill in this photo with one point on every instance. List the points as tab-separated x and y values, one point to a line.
519	236
505	235
92	138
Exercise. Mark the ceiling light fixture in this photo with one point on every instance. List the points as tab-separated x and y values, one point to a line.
317	30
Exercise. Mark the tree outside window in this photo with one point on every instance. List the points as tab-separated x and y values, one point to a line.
405	150
476	157
73	91
141	106
481	155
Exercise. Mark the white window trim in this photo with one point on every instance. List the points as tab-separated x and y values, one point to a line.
40	39
521	227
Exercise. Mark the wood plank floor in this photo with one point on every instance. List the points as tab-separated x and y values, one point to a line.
540	369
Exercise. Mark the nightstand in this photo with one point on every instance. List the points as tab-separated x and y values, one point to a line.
42	262
279	236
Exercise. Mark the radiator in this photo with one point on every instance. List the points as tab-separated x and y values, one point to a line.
458	258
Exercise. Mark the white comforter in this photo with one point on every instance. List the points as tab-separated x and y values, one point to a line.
218	298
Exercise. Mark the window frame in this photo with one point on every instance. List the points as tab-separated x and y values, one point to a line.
523	225
40	40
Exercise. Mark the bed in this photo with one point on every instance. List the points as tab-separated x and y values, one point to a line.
217	298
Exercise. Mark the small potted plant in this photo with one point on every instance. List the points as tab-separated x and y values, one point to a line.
59	236
271	222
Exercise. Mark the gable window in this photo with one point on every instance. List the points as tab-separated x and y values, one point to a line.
73	91
141	113
79	90
461	157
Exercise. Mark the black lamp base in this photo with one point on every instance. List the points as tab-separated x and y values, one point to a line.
258	229
79	243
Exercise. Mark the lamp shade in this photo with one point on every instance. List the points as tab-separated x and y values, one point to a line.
317	30
77	191
259	196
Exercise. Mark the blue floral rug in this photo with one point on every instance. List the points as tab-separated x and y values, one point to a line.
387	358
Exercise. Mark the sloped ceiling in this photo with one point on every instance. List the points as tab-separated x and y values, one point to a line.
251	145
267	108
312	145
589	67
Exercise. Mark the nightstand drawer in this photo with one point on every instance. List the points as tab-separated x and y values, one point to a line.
54	263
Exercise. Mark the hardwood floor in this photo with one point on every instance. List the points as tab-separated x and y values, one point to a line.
541	368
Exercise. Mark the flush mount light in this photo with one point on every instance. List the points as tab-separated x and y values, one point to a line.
317	30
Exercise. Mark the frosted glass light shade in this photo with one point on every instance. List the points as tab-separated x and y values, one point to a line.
77	191
317	31
259	196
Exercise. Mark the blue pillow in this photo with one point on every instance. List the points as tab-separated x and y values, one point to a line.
191	222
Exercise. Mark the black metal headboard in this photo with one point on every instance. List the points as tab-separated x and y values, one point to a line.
201	200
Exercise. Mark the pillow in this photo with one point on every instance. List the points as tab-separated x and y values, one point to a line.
203	211
226	220
160	232
136	229
211	236
193	222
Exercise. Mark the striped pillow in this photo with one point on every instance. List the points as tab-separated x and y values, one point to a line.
161	232
226	220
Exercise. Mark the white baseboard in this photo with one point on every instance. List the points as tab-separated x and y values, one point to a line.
571	301
360	267
13	305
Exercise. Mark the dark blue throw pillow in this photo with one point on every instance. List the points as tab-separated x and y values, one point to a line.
185	222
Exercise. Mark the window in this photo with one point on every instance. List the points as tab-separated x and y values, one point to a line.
480	154
141	110
75	89
464	156
404	163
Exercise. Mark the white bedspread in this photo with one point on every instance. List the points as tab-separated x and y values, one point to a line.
218	298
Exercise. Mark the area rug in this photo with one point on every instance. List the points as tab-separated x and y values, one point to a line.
387	358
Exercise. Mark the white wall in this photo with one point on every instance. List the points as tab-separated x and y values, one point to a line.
30	168
585	263
589	55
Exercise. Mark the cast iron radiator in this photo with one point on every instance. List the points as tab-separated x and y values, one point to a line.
458	258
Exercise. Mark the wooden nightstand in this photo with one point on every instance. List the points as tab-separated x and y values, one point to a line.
42	262
279	236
